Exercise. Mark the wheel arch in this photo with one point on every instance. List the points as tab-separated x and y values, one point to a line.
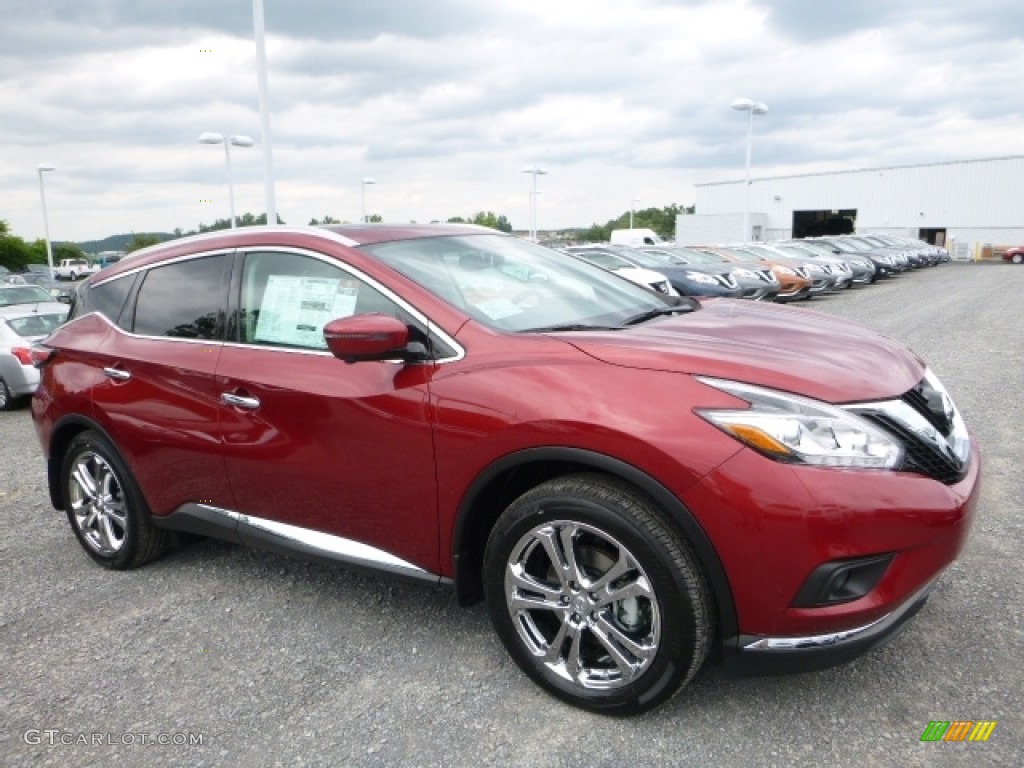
64	432
511	476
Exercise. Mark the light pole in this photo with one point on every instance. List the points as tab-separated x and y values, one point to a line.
366	180
259	33
41	169
228	141
751	108
535	172
632	206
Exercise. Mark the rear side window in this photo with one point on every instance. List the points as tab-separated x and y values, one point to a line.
184	299
108	298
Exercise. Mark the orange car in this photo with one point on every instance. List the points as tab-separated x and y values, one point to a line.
792	285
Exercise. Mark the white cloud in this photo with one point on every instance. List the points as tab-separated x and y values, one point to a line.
445	102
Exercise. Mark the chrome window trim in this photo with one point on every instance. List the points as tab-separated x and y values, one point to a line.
432	327
157	265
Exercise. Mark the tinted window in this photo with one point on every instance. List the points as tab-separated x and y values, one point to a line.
287	298
108	298
183	300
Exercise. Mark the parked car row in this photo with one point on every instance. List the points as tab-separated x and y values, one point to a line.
779	271
27	314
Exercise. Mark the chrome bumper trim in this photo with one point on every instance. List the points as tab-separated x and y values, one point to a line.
833	639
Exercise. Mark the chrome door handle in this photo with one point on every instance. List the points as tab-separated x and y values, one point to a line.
116	373
238	401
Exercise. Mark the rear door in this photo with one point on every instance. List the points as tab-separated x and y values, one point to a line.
158	399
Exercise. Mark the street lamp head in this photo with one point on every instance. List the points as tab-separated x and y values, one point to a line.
749	105
211	138
368	180
535	171
241	141
45	167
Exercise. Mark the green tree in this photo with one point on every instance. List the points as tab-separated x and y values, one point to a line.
15	253
324	221
140	241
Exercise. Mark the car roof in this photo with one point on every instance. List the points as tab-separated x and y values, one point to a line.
351	235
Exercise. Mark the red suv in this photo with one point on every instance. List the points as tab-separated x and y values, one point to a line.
634	482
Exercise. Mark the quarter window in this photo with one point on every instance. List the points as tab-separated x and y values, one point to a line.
184	299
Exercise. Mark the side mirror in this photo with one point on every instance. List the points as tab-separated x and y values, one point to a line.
367	337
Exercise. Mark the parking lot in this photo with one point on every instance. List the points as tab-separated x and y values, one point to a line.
234	657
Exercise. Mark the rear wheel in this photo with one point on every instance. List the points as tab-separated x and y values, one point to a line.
8	402
105	507
1018	258
595	597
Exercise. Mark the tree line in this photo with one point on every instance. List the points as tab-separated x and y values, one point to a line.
15	252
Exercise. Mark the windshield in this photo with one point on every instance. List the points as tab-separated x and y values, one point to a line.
601	259
22	294
514	285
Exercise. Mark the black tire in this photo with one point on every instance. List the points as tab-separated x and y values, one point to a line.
105	507
1017	258
8	402
660	628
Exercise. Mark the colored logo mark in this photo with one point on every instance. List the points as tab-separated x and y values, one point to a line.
958	730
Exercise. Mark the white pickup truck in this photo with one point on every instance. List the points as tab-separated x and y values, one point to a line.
73	269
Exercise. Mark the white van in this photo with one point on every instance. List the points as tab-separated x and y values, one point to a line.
635	237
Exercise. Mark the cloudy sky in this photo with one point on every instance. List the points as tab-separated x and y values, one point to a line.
444	102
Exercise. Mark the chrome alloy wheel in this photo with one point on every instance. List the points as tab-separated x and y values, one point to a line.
582	605
97	503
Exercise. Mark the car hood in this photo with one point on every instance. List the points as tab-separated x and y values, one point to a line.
640	275
795	350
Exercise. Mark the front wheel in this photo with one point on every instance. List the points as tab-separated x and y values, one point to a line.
595	597
1018	258
105	507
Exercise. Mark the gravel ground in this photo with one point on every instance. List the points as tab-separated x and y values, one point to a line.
271	661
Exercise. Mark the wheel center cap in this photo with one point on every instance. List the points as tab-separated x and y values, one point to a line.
580	604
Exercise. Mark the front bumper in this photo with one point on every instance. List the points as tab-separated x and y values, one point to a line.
756	655
804	517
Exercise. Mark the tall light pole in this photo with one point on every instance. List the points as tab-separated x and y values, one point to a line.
228	142
535	172
751	108
632	206
259	33
41	169
366	180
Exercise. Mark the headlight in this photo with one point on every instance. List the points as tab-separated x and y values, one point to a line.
744	273
700	277
799	430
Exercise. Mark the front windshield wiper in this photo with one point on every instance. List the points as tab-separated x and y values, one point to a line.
650	314
571	327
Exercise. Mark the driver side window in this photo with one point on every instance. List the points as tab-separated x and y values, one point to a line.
288	298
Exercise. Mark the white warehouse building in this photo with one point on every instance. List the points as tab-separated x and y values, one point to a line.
964	205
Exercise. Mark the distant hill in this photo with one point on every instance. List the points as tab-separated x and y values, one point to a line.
119	242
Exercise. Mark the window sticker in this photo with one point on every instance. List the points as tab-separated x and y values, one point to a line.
295	309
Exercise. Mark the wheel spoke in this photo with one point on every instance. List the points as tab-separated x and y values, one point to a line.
615	642
108	535
636	588
84	479
567	537
621	567
531	593
553	655
573	663
548	540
